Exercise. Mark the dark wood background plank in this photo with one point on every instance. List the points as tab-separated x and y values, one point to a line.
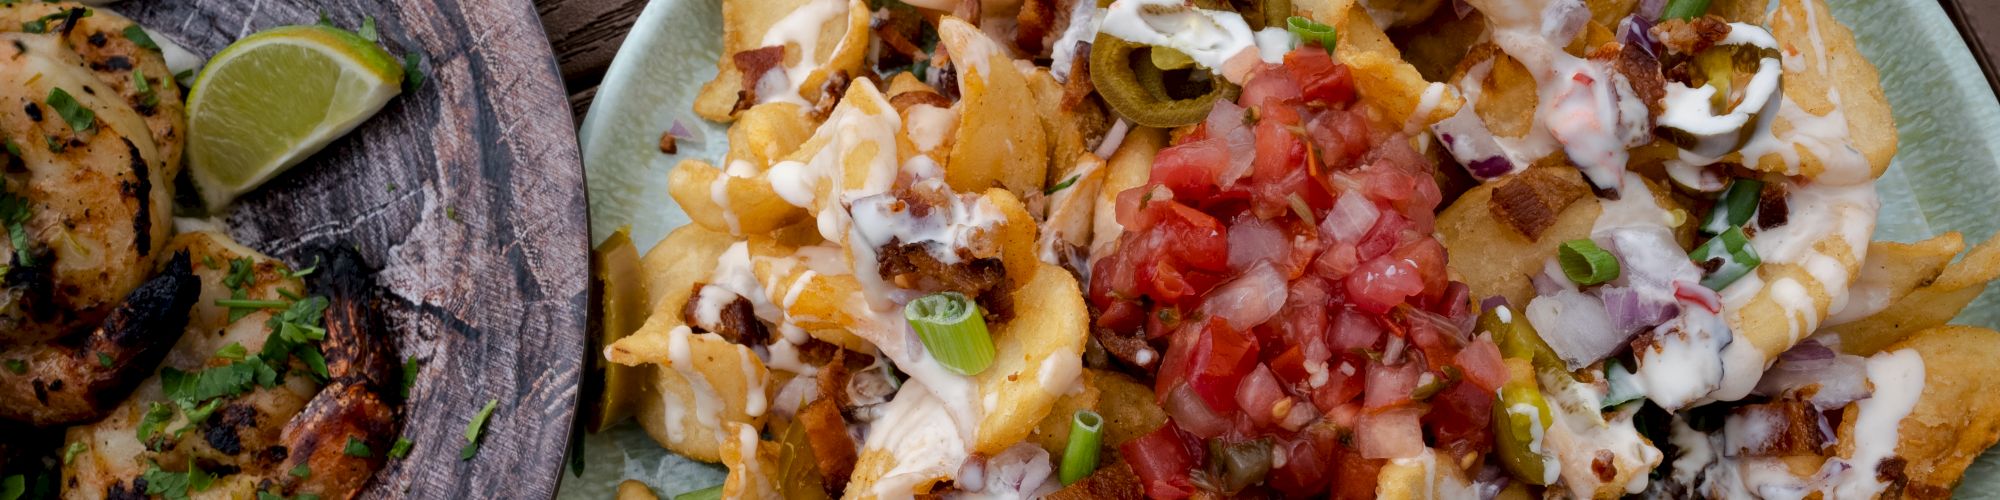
469	194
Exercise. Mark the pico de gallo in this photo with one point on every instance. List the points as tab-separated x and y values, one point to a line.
1279	275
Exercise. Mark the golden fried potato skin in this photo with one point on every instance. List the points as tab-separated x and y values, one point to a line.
1044	339
1923	295
1956	418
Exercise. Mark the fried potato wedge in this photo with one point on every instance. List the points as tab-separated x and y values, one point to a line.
731	202
767	132
1039	358
1932	301
1129	408
1430	476
700	382
635	490
750	460
1829	75
1955	419
1507	90
841	43
1385	81
922	452
1436	46
1490	255
1000	140
685	257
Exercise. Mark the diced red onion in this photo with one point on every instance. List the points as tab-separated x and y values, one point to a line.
1354	330
682	132
1491	303
1562	20
1391	434
1392	351
1253	240
1225	121
1840	378
1632	312
1302	413
1807	350
1390	385
1189	412
1468	140
1649	10
1636	30
1249	300
1461	8
1350	218
1575	326
1019	472
1257	393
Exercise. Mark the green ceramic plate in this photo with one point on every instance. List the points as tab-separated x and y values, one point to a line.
1944	178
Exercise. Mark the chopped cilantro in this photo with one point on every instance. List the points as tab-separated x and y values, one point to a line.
242	274
144	87
301	471
69	455
368	31
301	273
14	215
185	78
1062	185
139	37
41	24
17	366
13	487
195	416
476	429
413	71
201	386
357	448
451	213
80	118
233	352
324	20
311	356
156	417
56	145
410	369
209	260
401	449
176	485
104	360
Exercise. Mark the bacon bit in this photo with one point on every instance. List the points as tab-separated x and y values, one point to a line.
1127	347
737	322
1603	466
1643	72
754	63
1691	36
829	94
1773	209
1112	481
667	144
983	279
902	102
1795	429
833	379
1033	24
833	447
1078	87
1530	201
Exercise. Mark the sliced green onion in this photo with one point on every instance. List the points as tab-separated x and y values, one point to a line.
711	493
1313	32
1684	9
1586	264
1727	257
1080	456
252	304
1735	207
952	330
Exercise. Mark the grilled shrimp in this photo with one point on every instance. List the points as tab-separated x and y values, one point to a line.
85	182
286	438
107	45
67	381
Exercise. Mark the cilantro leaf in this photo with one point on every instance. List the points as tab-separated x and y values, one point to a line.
13	487
413	71
368	31
410	369
1062	185
301	471
104	360
156	417
233	352
139	37
69	455
303	272
476	429
17	366
401	448
357	448
80	118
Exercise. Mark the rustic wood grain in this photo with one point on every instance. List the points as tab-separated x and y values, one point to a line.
1979	22
469	194
586	34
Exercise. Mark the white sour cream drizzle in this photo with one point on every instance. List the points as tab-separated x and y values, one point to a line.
916	429
1709	465
1580	431
800	29
707	405
1582	104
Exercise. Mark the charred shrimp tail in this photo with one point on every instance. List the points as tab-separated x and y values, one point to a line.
344	435
73	380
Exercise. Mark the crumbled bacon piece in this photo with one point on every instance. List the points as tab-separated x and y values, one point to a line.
1112	481
904	100
754	63
1079	86
833	379
982	279
736	321
829	94
1691	36
1772	208
1530	201
833	447
1643	72
1034	23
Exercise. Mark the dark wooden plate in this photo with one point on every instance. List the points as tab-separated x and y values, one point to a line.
469	194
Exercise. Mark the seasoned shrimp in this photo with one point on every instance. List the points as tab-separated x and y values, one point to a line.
134	68
85	180
287	437
62	382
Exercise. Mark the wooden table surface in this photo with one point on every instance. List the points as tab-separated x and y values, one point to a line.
586	33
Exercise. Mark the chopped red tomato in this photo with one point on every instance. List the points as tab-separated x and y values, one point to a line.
1371	328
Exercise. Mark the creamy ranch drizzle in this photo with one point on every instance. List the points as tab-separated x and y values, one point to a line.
915	429
1583	105
1898	380
1218	40
801	29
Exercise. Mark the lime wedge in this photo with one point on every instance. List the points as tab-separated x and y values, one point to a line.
272	99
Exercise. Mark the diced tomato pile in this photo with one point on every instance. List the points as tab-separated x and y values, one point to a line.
1301	301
